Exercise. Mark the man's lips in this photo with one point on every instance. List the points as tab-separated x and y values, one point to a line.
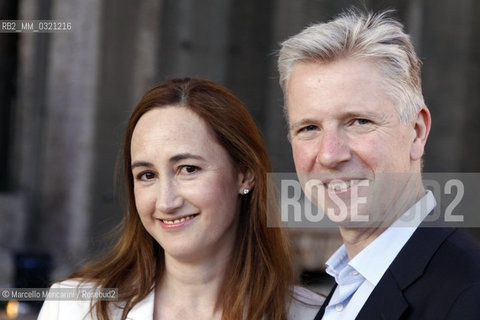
339	185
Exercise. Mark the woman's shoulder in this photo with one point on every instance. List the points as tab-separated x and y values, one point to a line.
69	299
73	284
305	304
57	308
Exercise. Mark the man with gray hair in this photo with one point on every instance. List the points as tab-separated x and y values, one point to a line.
358	125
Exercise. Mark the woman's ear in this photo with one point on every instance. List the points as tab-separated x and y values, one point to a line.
246	180
421	130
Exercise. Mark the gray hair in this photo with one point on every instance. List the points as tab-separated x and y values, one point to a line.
361	35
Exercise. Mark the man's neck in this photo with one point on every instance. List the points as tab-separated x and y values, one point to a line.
358	238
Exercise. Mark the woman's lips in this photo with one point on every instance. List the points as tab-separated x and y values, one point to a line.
177	222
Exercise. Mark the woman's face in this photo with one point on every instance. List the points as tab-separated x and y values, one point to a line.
185	184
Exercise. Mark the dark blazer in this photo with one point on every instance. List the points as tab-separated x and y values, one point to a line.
435	276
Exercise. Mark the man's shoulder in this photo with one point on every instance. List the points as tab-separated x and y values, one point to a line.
462	252
453	255
433	253
456	248
435	273
453	269
464	244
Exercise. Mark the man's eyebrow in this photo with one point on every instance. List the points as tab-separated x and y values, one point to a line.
173	159
346	115
302	123
362	114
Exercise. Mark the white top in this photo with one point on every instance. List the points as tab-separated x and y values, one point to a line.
79	309
357	279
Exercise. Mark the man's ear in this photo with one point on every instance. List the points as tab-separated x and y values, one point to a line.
421	129
246	179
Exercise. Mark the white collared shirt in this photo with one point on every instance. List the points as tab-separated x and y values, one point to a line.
357	278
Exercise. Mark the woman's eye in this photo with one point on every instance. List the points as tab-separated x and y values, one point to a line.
146	176
188	169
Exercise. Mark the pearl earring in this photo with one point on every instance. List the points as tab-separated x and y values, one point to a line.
245	191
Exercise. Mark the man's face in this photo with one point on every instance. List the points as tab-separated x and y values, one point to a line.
348	140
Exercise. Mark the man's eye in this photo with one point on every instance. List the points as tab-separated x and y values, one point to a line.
309	128
188	169
361	121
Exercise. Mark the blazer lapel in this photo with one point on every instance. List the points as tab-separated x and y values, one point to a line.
321	312
412	260
385	302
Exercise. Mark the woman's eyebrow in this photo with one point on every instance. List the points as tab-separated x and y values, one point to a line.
182	156
173	159
137	164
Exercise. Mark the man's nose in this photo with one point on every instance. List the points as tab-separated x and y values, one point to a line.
169	199
333	149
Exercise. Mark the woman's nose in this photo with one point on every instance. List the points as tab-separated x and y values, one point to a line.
169	198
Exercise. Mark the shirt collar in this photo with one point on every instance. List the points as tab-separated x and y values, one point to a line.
143	309
373	261
337	262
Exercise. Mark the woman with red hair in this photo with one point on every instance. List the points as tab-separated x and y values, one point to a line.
195	242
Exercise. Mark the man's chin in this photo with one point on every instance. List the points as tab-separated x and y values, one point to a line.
347	219
352	219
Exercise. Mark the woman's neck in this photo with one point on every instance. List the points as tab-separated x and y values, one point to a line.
190	290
